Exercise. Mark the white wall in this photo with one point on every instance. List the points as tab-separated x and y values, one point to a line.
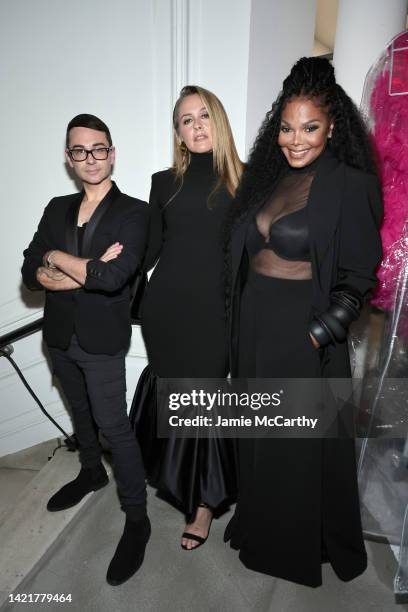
125	62
199	42
59	59
326	18
364	28
219	38
281	32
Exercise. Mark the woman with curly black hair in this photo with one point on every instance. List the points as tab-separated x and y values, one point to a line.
303	250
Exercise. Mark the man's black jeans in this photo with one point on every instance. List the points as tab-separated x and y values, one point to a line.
95	387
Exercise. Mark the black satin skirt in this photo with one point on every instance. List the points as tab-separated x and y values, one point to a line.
188	470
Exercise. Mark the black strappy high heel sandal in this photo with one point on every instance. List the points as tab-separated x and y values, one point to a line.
193	536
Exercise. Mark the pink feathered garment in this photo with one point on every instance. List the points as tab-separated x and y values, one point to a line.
390	137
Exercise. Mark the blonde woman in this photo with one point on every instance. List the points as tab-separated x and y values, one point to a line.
183	314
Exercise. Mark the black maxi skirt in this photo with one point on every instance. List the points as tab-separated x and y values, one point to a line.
185	336
298	502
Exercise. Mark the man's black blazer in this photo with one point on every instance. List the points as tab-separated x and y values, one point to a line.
98	313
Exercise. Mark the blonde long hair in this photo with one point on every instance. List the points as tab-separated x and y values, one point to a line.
227	164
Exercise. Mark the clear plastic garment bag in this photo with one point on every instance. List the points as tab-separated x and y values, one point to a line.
380	347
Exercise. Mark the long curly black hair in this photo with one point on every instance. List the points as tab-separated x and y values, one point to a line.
310	77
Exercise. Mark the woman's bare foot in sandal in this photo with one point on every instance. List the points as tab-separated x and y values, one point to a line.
196	532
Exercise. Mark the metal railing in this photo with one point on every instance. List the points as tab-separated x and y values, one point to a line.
21	332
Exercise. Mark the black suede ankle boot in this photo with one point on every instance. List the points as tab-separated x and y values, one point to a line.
88	479
130	551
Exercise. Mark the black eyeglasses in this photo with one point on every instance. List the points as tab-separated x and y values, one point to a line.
99	153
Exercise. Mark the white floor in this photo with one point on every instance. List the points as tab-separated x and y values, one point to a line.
171	579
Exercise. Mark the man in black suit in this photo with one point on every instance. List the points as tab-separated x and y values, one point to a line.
84	253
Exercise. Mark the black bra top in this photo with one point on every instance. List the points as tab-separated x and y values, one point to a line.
288	237
281	224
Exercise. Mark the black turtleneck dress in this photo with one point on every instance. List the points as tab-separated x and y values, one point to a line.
184	323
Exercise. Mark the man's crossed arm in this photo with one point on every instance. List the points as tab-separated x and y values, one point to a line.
64	271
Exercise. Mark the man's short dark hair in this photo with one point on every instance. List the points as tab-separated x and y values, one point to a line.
91	122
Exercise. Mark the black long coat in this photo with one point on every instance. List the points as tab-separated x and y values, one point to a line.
312	480
344	214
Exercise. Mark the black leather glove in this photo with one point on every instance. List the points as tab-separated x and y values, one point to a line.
332	325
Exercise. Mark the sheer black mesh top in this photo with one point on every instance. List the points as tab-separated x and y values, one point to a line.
278	239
